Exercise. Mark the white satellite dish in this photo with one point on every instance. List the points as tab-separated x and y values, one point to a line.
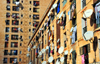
44	62
43	50
60	14
58	40
28	55
49	13
66	52
87	13
71	50
61	49
58	21
40	53
50	59
55	5
62	59
57	62
88	35
47	47
34	47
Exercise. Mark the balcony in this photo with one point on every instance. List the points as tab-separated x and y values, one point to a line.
15	22
36	3
14	44
14	29
8	8
15	8
15	15
36	10
14	37
13	52
35	17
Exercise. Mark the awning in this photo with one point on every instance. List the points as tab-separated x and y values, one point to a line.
61	49
50	59
66	52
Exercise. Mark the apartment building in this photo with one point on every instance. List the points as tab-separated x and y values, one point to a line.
19	20
69	33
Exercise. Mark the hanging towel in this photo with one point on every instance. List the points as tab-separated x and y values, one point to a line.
83	60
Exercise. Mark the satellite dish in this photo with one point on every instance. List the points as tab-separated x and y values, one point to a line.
58	40
60	14
88	35
66	52
34	47
28	55
50	59
47	47
71	50
44	62
57	62
62	59
55	5
43	50
61	49
87	13
49	13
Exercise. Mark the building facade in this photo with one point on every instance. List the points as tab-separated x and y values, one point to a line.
19	20
67	34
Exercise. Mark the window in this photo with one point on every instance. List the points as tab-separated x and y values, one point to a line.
22	1
15	15
65	59
14	44
30	9
36	3
74	57
7	29
29	23
6	44
20	59
7	22
20	52
29	37
29	30
5	52
13	52
13	60
15	22
74	35
58	6
34	30
21	22
14	29
35	16
35	24
20	44
8	1
35	9
64	39
5	60
8	8
64	2
15	8
7	15
6	38
83	3
21	15
85	50
29	16
14	37
30	2
84	26
14	1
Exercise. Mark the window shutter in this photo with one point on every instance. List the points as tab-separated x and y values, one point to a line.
58	30
88	47
81	50
81	4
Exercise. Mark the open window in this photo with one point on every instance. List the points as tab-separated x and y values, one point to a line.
5	52
64	39
7	15
7	22
84	51
7	29
14	29
74	57
5	60
84	26
15	15
15	8
6	38
8	7
8	1
35	16
36	10
13	60
35	24
6	44
83	3
14	44
13	52
65	59
36	3
15	22
14	37
33	30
